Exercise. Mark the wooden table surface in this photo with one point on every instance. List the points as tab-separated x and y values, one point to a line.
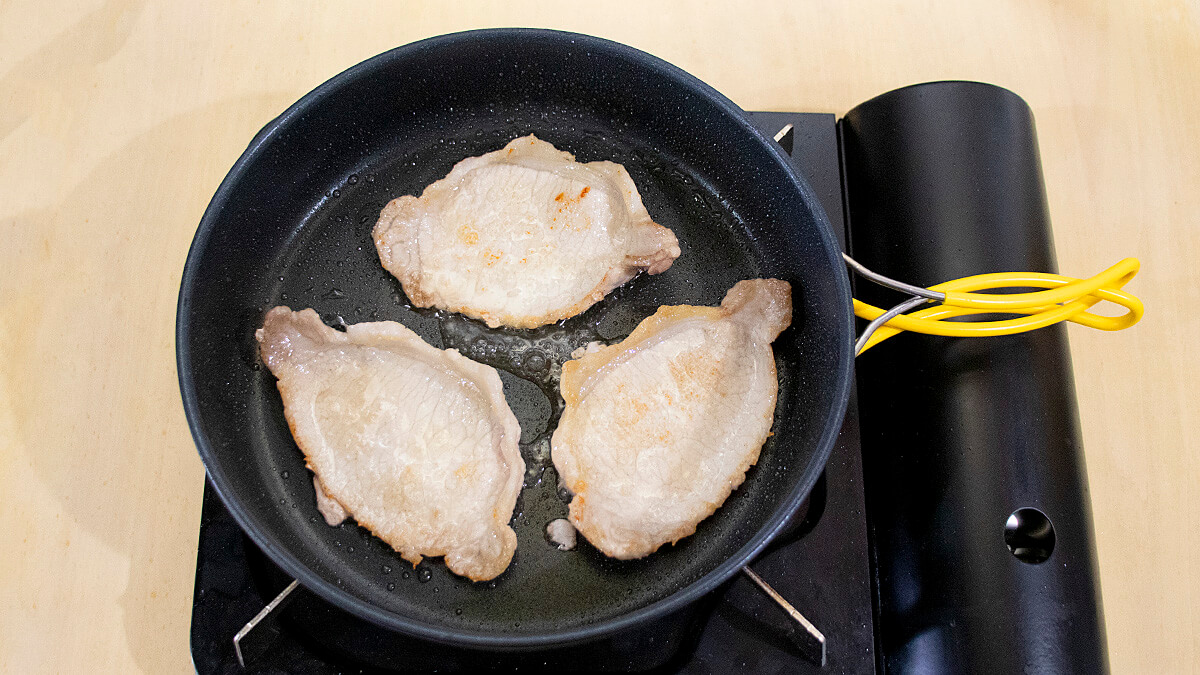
118	120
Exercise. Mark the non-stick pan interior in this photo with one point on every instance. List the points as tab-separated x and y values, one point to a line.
291	226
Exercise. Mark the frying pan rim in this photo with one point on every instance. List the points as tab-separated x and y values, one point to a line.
360	607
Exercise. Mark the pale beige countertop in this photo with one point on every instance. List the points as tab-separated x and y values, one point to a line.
119	119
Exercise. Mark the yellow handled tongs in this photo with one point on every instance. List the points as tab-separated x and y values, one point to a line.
1062	299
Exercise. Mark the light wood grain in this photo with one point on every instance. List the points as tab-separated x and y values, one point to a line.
119	119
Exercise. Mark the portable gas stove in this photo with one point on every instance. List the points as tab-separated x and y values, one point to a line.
891	581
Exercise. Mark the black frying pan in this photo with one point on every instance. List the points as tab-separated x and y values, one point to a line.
291	225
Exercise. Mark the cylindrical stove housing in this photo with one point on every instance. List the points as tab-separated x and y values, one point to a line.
977	496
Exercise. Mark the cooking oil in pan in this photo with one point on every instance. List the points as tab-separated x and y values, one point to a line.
530	362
